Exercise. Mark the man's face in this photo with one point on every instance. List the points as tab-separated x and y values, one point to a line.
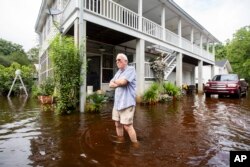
121	62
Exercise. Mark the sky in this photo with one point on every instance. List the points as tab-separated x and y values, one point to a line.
222	18
17	21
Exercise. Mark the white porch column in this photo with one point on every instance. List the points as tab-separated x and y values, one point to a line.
76	32
201	47
180	33
140	59
83	56
207	45
179	69
192	38
212	71
163	11
200	78
140	14
213	49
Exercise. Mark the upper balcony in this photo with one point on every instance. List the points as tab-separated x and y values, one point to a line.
171	26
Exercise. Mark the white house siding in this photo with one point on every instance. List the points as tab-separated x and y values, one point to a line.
206	72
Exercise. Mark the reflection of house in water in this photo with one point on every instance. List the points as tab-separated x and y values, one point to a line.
142	29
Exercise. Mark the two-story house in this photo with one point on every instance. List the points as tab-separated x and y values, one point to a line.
142	29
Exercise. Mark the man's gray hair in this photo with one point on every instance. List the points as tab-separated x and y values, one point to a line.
123	56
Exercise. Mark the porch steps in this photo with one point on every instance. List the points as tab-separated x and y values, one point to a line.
171	62
169	57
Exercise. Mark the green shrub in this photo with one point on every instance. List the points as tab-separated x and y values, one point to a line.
151	96
66	66
172	90
7	75
95	102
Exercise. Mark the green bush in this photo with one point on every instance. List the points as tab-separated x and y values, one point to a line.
172	90
66	66
151	96
46	88
95	102
161	92
7	75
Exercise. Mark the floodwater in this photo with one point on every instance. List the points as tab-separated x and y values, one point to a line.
194	131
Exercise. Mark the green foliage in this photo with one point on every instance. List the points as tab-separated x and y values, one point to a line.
161	92
66	66
7	47
7	75
46	88
238	52
33	54
19	57
95	102
4	61
11	52
151	95
220	52
171	89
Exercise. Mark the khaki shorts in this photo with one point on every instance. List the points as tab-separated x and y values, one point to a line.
124	116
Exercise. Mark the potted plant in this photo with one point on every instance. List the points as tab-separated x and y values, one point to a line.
45	91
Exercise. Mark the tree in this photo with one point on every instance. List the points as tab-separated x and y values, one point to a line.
33	54
11	52
7	47
220	52
18	57
238	52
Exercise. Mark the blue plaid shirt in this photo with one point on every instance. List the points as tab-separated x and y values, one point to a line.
125	95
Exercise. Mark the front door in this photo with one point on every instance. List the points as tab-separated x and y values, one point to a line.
93	72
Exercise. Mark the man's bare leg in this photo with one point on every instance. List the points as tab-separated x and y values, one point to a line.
131	132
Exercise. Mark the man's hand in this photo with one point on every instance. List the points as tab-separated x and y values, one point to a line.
112	84
117	83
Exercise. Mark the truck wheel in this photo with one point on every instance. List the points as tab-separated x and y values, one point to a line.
238	94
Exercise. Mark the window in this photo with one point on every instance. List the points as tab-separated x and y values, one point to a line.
107	68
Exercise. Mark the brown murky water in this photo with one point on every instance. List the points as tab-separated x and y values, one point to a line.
192	132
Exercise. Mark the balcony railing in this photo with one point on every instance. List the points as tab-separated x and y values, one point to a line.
148	72
151	28
119	14
113	11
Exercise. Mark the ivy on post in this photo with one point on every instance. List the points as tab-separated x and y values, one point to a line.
66	66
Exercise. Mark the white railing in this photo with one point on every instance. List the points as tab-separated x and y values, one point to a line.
172	37
148	72
113	11
186	44
208	55
116	12
196	49
151	28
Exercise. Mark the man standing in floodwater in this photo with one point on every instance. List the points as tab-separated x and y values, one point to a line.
124	83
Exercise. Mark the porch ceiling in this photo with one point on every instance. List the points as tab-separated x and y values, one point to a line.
102	34
191	60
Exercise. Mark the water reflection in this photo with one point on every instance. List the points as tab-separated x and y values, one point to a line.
192	132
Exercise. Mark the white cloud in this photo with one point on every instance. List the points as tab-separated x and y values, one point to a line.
222	18
18	18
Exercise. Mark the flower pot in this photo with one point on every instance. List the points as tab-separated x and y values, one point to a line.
45	99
